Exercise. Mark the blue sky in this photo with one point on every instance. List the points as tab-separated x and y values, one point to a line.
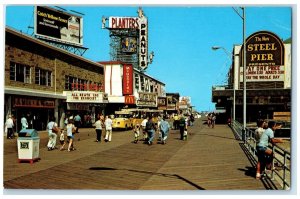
181	38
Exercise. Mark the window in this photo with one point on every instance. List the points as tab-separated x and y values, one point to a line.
20	72
43	77
69	83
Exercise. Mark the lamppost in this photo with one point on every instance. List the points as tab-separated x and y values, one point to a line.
243	17
230	58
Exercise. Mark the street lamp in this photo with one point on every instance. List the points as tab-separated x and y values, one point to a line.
230	58
243	17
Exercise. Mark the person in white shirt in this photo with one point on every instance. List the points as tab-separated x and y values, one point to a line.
108	129
98	127
24	122
143	124
9	124
52	128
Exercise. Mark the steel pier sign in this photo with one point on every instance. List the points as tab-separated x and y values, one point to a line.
264	58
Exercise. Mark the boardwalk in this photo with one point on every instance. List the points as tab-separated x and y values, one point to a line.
211	159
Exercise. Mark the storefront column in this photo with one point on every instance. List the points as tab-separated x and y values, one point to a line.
56	111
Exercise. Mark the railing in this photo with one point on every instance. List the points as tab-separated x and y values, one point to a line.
282	157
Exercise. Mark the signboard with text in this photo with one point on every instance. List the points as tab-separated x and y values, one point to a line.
264	58
147	99
84	97
60	26
127	79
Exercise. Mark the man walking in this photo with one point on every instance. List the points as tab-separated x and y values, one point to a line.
77	122
9	125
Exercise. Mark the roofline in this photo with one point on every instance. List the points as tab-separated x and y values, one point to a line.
37	41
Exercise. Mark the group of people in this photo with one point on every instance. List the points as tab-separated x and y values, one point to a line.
149	128
11	123
211	119
264	135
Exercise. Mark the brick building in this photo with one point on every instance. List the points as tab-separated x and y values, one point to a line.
40	80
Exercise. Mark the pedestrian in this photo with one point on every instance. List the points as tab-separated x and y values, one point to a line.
164	129
192	119
98	127
261	124
143	125
52	133
108	129
182	125
71	130
77	122
185	133
62	140
24	122
266	155
136	131
209	117
176	121
213	120
151	128
9	124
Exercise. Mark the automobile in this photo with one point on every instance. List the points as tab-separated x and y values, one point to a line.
122	120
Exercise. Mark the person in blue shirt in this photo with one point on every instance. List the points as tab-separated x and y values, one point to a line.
265	154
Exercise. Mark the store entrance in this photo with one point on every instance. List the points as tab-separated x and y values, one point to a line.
37	118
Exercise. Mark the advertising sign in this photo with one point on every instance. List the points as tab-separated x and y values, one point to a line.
147	99
123	23
60	26
143	44
129	99
162	103
128	45
84	97
264	58
127	79
33	103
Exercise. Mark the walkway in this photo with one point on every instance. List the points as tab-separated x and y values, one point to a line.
211	159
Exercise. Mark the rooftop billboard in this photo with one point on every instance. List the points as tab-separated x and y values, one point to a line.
58	26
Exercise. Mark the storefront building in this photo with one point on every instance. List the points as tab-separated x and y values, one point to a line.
128	87
268	79
39	77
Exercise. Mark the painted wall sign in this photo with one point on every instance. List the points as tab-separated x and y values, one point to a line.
56	25
264	58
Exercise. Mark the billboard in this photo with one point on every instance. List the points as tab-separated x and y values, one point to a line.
264	58
59	26
147	99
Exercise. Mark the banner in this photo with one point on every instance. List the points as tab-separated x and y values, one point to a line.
127	79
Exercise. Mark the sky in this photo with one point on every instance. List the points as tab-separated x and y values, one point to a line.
181	37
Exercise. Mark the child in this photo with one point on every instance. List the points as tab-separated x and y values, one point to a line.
62	140
136	131
185	134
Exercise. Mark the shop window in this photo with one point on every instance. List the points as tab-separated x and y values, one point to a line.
43	77
137	81
20	72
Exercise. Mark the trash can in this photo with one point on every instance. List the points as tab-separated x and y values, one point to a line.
28	145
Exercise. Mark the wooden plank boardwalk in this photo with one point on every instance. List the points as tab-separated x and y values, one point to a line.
211	159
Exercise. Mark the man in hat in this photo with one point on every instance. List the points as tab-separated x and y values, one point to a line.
9	125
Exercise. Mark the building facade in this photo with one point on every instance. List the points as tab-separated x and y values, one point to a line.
268	79
42	80
129	87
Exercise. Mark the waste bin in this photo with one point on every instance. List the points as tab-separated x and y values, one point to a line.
28	145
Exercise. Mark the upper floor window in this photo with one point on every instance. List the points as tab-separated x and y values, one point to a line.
20	72
43	77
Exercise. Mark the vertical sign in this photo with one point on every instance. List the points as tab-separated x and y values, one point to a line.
127	79
143	45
